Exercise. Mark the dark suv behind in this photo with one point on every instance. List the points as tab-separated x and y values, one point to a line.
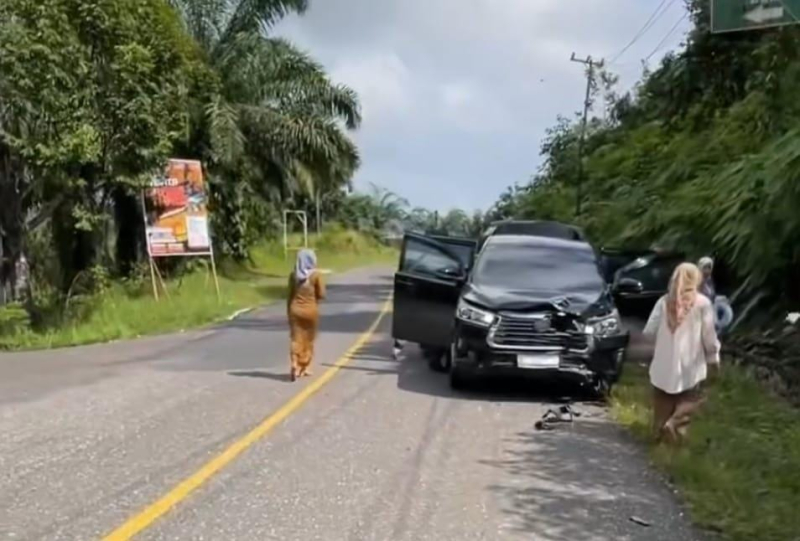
534	228
531	306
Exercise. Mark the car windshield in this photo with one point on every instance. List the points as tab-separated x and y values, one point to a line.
558	266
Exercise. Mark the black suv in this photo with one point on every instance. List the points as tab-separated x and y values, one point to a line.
639	284
537	228
533	306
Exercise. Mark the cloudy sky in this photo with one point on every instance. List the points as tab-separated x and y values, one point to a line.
457	94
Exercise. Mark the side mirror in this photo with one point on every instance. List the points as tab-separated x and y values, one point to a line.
629	285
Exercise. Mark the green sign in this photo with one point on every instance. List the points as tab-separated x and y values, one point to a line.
735	15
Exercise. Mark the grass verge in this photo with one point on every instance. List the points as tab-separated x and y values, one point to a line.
121	313
740	471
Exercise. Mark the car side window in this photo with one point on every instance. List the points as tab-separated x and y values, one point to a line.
422	258
665	269
464	254
656	274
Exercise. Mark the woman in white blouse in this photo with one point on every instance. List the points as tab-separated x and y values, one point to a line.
686	345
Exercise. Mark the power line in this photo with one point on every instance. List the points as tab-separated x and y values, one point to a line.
669	34
654	17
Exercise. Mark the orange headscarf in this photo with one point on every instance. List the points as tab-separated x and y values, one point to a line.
682	293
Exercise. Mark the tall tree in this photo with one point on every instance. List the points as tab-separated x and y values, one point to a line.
702	157
272	126
86	109
456	222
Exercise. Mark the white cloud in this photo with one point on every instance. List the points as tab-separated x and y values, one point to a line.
458	94
382	81
471	108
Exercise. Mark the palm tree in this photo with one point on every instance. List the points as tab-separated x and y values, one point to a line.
387	206
477	224
455	222
420	220
275	118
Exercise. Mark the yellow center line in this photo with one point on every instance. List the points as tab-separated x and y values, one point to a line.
156	510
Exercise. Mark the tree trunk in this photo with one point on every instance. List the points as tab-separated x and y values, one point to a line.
11	219
2	272
130	231
76	248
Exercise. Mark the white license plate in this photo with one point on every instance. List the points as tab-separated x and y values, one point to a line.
538	361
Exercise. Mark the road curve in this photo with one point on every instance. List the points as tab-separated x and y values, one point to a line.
383	451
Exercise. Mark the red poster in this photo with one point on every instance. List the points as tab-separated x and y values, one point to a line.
176	211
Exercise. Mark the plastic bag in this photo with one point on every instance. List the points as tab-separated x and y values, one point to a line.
723	312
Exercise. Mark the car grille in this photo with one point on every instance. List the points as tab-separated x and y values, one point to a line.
535	333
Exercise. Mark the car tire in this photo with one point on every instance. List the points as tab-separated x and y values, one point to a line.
458	381
619	366
601	388
621	305
439	361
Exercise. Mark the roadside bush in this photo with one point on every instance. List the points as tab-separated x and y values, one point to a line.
137	283
14	319
335	238
99	311
740	470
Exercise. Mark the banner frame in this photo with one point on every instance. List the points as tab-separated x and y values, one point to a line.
302	216
155	274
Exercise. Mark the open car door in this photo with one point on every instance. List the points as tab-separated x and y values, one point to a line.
427	286
464	248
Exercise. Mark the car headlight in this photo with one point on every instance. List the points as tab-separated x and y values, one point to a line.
476	316
604	326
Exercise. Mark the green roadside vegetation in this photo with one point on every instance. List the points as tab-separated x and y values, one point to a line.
128	309
739	472
702	157
88	119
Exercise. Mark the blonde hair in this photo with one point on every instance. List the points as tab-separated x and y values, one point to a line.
682	293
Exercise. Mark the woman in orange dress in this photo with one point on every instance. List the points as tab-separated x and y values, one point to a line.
306	290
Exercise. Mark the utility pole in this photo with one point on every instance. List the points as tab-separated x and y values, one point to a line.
319	212
591	64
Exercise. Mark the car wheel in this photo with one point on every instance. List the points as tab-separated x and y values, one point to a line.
619	364
601	388
458	382
439	361
621	305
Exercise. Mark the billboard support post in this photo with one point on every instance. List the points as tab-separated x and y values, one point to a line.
150	259
303	218
159	278
214	274
153	276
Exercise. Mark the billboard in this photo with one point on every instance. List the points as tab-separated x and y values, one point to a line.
176	211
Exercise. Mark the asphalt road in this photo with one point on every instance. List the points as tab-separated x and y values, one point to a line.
383	451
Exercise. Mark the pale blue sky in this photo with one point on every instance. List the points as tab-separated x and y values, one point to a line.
457	94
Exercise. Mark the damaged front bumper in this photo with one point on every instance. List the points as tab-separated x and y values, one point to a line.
582	359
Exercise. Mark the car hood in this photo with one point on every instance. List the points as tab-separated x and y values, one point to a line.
577	301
